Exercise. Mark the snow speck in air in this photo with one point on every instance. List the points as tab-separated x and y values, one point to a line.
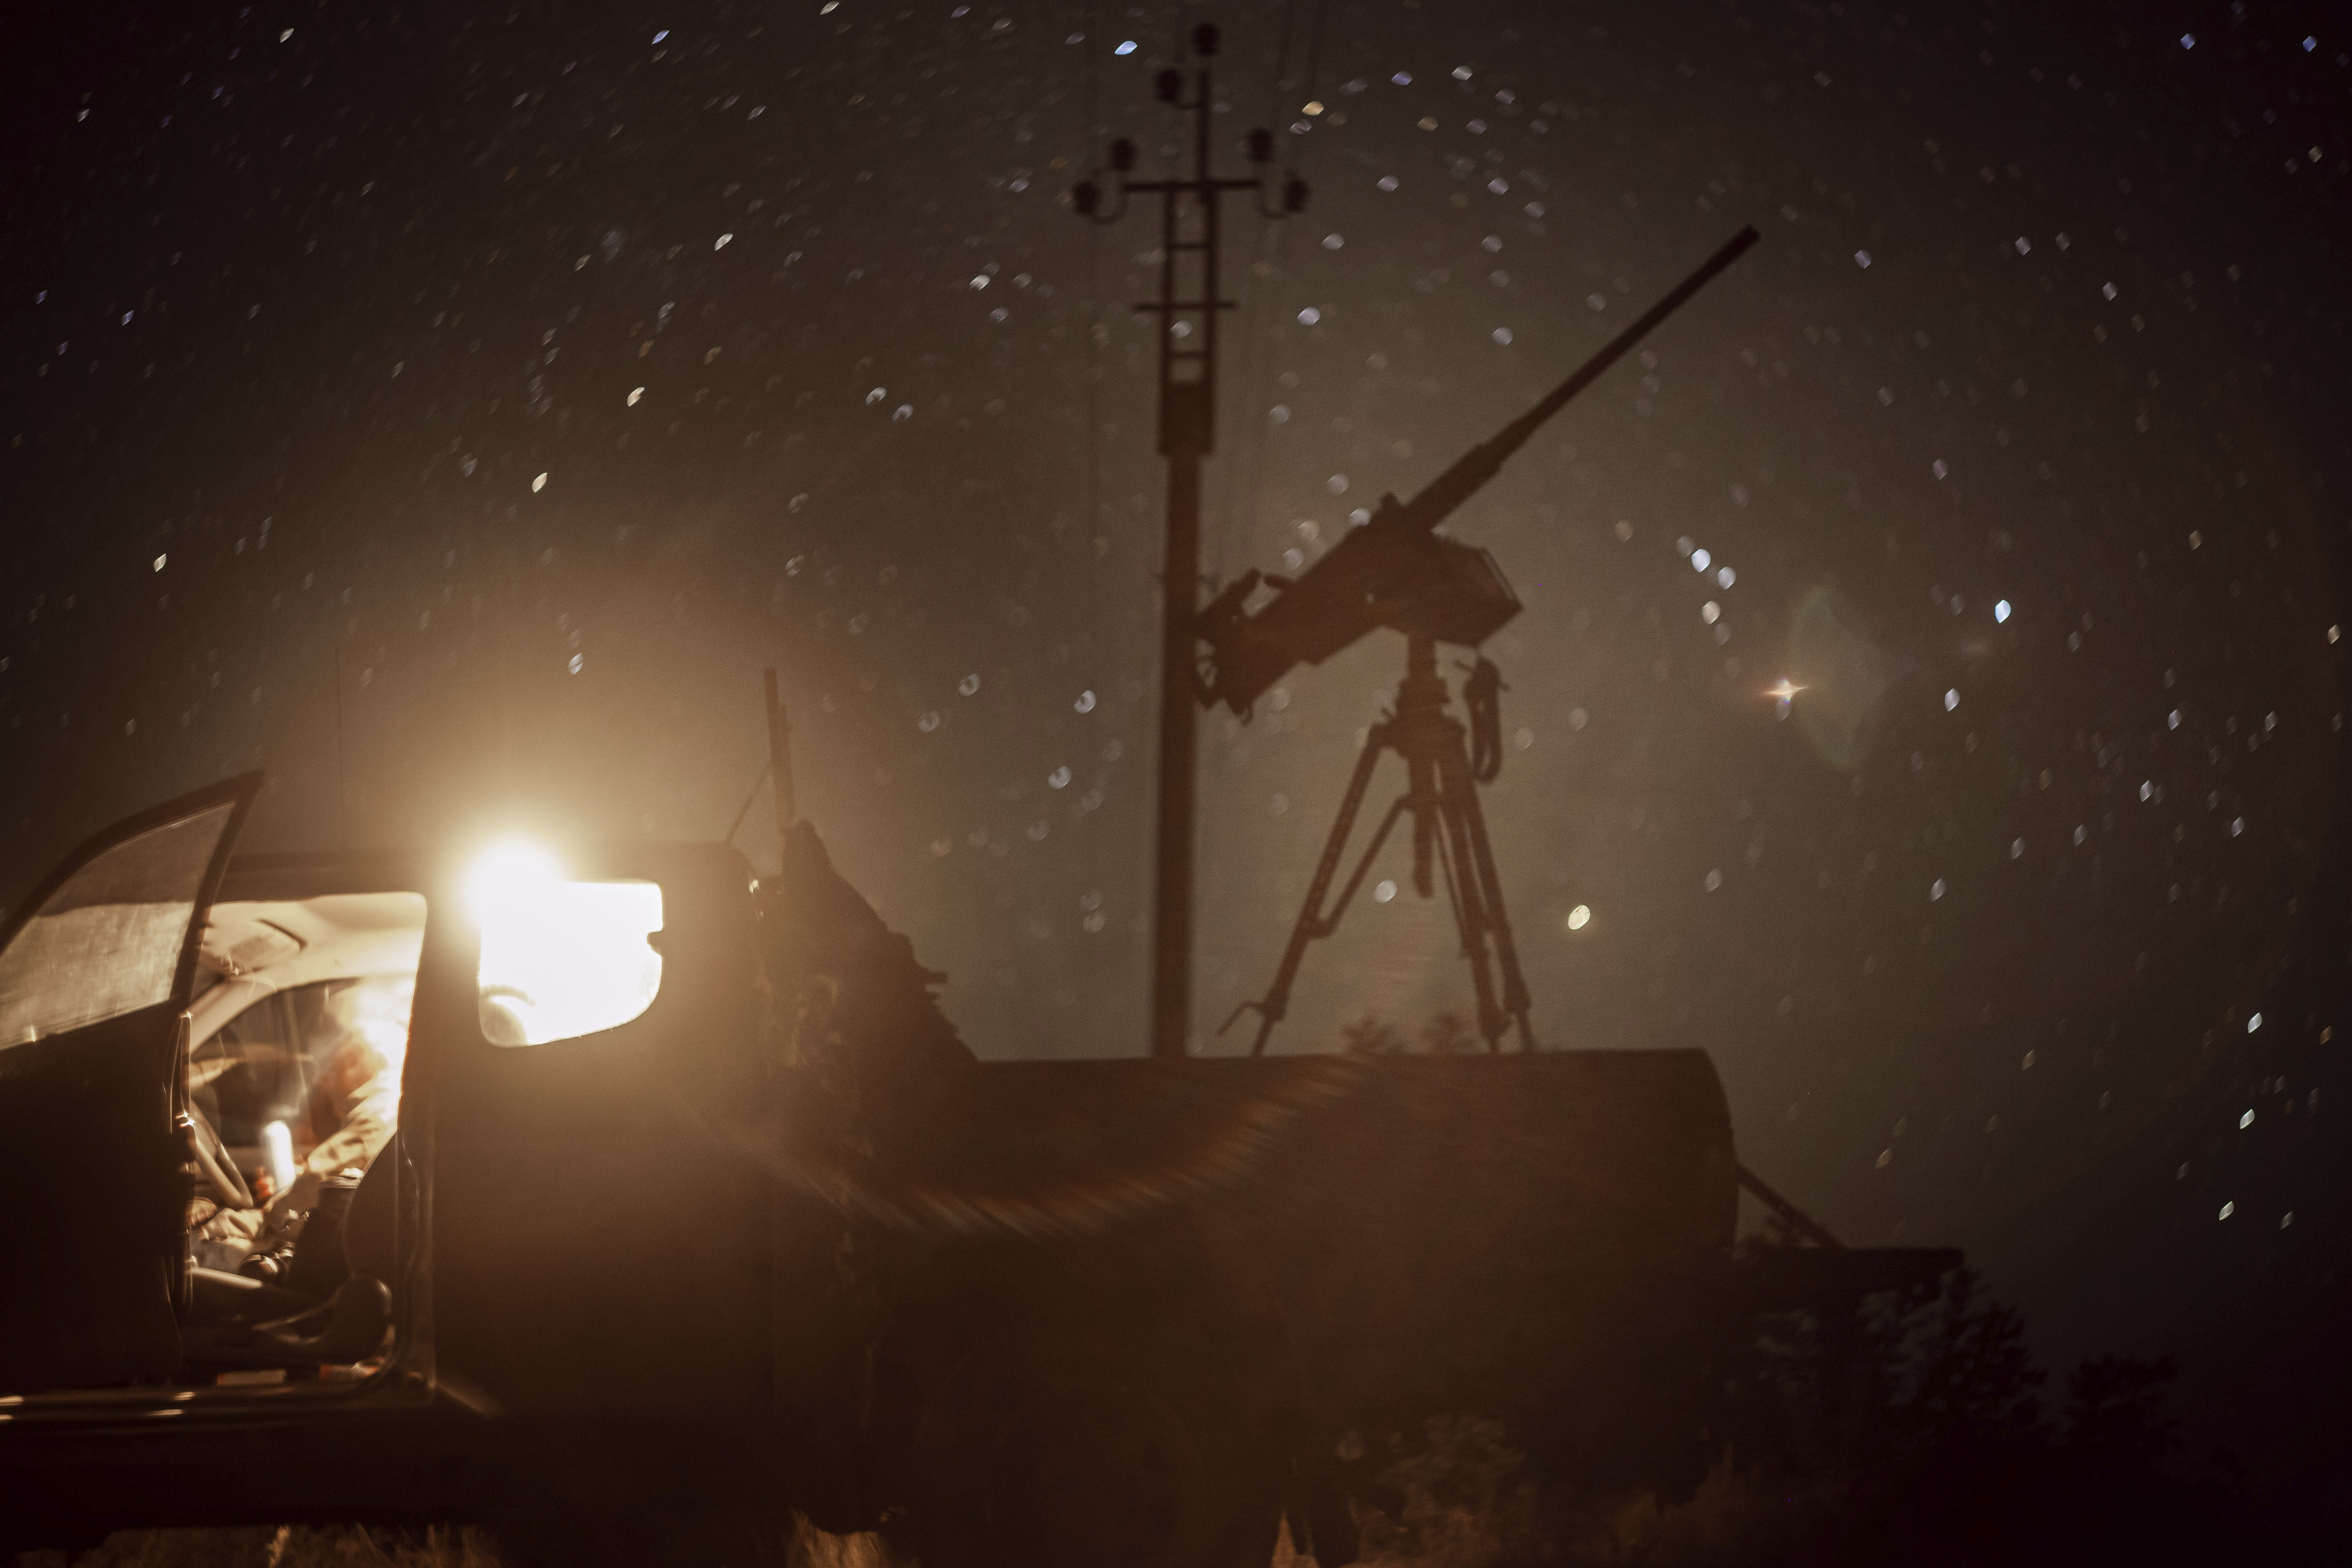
2188	41
1701	559
1579	917
539	484
1862	259
2000	611
2228	1209
2254	1023
1936	891
159	561
1333	242
635	394
1951	700
1402	79
1126	48
660	35
1309	316
1502	336
721	243
1714	880
1939	467
1086	702
1383	892
968	685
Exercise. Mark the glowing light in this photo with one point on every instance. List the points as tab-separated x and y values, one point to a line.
560	958
512	871
1579	917
1784	691
278	1149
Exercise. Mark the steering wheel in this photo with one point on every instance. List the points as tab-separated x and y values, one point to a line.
214	1163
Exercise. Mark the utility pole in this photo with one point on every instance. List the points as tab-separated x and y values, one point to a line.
1187	308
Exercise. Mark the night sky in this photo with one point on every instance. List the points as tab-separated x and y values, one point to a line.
529	375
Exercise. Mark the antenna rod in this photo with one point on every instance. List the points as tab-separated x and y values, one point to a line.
780	762
1471	471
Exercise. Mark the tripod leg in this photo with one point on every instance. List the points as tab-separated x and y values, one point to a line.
1311	923
1516	1001
1462	885
1310	926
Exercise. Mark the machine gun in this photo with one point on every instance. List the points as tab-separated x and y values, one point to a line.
1397	572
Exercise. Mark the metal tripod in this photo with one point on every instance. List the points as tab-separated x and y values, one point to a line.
1448	828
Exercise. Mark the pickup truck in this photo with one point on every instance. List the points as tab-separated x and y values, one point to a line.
590	1190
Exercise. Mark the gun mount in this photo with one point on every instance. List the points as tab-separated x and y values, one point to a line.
1399	572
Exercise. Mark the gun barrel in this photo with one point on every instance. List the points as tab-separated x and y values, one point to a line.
1481	463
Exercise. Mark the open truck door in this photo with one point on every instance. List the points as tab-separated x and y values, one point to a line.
588	1041
96	970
